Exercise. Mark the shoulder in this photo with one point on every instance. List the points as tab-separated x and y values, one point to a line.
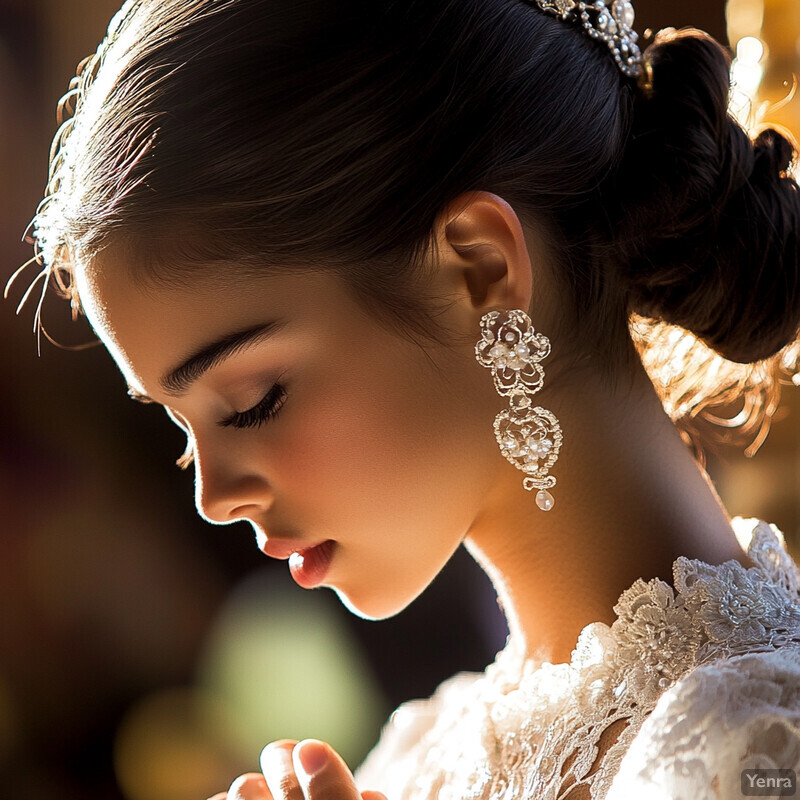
722	718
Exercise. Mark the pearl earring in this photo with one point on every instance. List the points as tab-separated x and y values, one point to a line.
529	437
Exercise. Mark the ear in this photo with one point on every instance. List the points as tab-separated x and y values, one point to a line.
482	238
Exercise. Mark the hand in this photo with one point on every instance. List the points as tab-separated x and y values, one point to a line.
310	770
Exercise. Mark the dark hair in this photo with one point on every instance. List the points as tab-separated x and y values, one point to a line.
710	239
300	133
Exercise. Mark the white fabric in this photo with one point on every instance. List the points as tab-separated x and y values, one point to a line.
697	681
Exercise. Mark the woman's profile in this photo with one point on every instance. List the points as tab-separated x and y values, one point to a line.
402	272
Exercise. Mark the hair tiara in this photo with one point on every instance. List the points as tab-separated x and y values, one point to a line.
609	21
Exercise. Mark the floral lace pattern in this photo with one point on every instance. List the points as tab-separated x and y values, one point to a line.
527	730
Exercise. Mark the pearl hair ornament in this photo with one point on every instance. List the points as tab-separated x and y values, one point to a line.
609	21
529	437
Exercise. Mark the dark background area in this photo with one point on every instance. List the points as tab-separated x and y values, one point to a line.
115	597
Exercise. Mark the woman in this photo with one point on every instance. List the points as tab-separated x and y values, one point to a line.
380	262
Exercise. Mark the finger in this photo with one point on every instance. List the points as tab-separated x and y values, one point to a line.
278	769
369	795
322	772
250	786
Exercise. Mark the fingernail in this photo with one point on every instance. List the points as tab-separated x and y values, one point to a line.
313	756
276	759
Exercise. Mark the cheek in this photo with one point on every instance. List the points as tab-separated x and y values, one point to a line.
380	448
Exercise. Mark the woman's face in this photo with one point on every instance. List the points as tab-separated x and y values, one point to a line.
320	425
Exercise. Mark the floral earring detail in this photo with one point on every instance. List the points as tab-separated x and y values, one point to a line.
529	437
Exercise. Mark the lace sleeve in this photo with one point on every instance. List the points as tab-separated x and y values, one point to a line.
723	718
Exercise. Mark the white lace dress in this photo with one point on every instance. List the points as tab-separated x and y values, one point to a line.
697	682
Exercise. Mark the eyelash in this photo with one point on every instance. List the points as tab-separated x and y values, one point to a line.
265	410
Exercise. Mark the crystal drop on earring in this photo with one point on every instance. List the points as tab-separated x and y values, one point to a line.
544	500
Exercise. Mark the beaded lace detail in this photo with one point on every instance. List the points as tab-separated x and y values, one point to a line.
531	730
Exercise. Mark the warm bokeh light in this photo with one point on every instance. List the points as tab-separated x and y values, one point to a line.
173	745
745	18
746	71
749	50
766	39
287	668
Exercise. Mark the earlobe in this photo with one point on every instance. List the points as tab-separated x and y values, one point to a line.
487	241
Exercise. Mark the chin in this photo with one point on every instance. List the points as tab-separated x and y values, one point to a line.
374	606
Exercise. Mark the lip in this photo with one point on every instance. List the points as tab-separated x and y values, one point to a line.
310	566
283	548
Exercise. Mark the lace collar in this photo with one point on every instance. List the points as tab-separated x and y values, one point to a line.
662	632
529	729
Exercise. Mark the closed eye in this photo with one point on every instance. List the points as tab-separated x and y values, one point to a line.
265	410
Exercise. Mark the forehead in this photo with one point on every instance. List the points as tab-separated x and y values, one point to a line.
149	327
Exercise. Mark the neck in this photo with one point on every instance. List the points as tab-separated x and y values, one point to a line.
630	499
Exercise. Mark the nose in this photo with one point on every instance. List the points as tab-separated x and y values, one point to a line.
226	489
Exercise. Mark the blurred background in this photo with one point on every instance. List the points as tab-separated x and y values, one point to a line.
145	655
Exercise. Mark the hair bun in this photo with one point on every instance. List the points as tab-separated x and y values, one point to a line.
774	154
705	221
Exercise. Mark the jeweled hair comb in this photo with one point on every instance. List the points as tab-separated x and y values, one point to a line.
609	21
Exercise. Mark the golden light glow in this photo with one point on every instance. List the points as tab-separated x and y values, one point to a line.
745	18
765	35
174	745
749	50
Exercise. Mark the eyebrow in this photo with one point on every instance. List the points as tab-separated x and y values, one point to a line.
177	381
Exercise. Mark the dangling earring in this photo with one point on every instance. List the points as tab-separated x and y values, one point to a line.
529	437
